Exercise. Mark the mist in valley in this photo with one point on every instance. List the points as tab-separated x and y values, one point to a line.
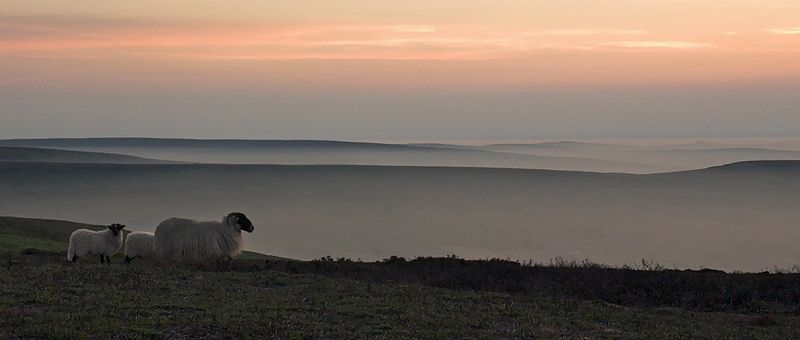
737	217
637	157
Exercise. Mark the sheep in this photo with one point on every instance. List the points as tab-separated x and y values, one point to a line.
105	243
198	242
138	244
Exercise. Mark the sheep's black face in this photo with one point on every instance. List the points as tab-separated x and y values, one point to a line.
116	228
242	222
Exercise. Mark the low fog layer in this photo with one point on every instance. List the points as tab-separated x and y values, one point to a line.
737	217
663	157
564	155
302	152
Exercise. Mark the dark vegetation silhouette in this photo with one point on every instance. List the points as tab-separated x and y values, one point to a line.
646	284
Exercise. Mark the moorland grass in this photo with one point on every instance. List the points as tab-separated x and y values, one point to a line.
43	295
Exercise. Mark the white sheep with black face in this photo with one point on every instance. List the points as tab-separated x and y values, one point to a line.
106	243
139	244
187	240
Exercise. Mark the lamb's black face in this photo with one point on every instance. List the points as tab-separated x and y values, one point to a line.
242	222
116	228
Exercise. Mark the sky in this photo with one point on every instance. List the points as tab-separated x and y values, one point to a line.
385	70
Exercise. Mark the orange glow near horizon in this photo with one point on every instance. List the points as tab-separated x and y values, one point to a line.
536	37
35	37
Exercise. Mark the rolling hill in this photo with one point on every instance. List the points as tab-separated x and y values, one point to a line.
734	217
313	152
556	155
665	158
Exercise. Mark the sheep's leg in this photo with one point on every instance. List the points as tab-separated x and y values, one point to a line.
102	259
128	260
217	263
213	262
108	259
74	258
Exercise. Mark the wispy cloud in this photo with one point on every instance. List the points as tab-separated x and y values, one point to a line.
78	37
658	44
785	30
584	32
414	28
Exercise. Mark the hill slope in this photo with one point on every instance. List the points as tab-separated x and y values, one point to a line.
666	158
29	154
48	235
732	220
141	300
769	166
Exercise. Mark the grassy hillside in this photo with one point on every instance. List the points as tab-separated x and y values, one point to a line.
50	235
45	296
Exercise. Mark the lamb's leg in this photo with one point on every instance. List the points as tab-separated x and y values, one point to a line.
74	258
108	259
128	260
102	259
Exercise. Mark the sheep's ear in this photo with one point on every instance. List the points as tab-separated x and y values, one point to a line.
234	218
121	226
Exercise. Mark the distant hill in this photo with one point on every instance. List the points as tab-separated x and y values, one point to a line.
757	153
198	143
760	177
17	233
555	155
29	154
789	167
560	148
556	145
312	152
665	158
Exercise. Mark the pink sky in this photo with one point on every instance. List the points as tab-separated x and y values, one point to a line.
756	37
352	47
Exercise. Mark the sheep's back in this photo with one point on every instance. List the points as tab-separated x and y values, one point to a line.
179	238
80	242
139	243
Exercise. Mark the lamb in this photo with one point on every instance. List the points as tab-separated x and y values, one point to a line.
198	242
105	243
138	244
